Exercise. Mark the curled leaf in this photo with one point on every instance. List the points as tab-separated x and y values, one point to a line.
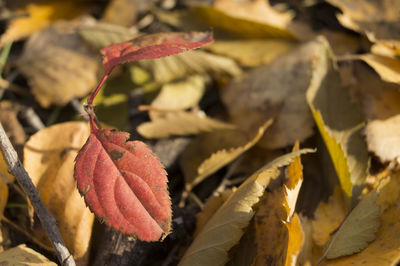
153	46
124	184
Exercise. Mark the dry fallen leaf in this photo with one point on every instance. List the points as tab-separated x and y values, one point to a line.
378	19
328	217
178	66
275	91
278	237
225	228
339	122
387	68
22	255
357	230
179	96
210	207
40	16
58	64
49	159
210	152
251	53
380	102
249	19
384	250
181	123
120	12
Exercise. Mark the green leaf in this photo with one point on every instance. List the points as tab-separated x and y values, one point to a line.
338	121
357	230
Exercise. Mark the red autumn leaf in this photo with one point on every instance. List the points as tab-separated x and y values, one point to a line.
153	46
124	184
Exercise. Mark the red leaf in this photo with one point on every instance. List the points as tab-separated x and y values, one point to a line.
124	184
153	46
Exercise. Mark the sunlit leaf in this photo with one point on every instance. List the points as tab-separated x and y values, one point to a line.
387	68
179	95
251	52
225	227
124	184
181	123
338	121
49	159
193	62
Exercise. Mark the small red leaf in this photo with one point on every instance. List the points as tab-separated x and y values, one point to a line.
153	46
124	184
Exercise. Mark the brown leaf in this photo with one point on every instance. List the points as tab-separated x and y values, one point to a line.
49	159
257	98
58	65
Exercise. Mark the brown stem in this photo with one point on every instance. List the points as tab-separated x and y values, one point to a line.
49	223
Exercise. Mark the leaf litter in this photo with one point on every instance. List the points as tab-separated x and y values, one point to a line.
232	107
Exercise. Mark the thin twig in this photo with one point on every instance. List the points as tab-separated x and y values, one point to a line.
49	223
33	119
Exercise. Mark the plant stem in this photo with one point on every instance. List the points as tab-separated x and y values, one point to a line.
49	223
103	80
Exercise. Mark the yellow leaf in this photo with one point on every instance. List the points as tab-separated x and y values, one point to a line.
338	121
327	218
40	16
22	255
59	65
216	157
181	123
251	53
178	66
241	24
296	240
387	68
278	237
49	159
225	228
179	95
293	183
121	12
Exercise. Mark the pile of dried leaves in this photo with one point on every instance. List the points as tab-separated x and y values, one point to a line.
281	138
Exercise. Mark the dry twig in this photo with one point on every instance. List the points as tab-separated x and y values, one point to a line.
49	223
